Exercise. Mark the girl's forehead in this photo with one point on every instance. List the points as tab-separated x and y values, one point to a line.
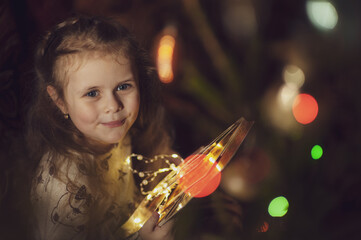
79	59
73	62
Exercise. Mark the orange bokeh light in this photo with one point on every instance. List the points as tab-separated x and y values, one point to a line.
165	58
305	108
190	180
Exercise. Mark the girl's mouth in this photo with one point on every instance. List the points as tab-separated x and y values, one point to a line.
114	124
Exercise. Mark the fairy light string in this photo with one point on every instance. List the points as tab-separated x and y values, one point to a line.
148	176
184	181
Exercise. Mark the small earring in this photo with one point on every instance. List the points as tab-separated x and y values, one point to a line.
66	116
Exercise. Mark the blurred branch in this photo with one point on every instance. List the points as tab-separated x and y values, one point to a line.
213	48
206	94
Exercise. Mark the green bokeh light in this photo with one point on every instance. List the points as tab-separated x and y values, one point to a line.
278	207
316	152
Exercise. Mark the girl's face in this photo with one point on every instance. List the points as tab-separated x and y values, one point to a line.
102	99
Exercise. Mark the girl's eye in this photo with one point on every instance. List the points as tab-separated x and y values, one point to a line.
92	93
123	87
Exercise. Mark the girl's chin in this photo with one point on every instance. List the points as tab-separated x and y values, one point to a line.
108	142
114	140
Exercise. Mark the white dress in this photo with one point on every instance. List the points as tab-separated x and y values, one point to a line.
62	204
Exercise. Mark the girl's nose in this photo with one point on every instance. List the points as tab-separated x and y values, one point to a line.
113	104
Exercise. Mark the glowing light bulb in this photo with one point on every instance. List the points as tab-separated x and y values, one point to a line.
278	207
179	206
212	160
157	190
322	14
316	152
305	108
218	167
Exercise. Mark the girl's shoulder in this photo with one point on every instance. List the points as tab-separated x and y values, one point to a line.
56	164
58	173
60	197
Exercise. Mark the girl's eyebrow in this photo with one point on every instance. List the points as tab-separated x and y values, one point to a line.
131	79
85	90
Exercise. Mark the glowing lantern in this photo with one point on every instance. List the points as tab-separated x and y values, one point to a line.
305	108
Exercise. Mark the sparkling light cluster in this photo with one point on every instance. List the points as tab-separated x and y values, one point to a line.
150	175
185	181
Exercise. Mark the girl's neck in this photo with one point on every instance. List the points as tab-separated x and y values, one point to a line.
100	148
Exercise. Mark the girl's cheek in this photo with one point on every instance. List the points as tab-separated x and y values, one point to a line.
87	116
84	115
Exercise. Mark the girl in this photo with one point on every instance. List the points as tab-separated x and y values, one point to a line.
97	101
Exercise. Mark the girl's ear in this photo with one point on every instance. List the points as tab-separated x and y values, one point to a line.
54	96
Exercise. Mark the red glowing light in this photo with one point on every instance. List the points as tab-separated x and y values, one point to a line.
198	176
305	108
210	186
264	227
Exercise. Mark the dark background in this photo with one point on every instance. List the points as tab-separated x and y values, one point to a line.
228	62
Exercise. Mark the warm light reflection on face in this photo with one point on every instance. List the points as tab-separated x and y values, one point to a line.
102	98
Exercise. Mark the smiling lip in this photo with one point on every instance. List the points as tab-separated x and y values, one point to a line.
114	124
